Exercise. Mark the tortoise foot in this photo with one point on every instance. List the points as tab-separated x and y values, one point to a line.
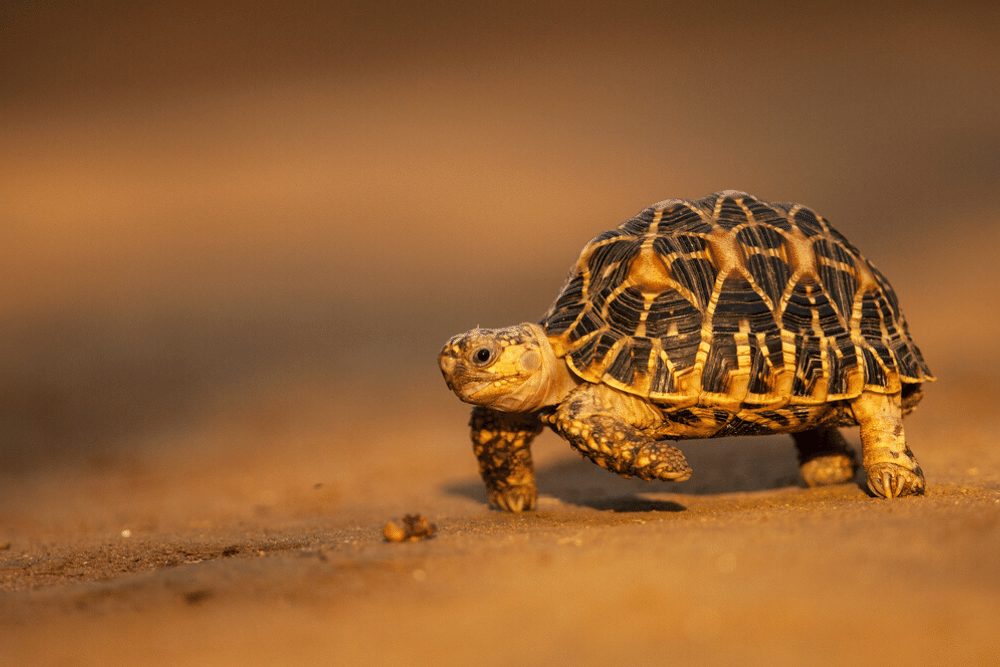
828	469
889	480
520	498
660	460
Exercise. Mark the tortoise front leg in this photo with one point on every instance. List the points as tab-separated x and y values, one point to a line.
600	424
891	467
502	443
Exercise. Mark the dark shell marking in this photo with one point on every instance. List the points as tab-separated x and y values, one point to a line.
734	302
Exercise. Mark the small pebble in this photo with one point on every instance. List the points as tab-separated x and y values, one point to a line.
393	532
415	527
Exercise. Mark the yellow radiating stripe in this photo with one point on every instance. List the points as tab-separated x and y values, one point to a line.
759	291
706	329
696	210
717	210
788	350
823	223
647	304
846	384
836	264
654	227
822	387
855	330
842	317
891	376
606	360
786	296
742	339
688	295
751	220
670	364
615	293
647	244
655	351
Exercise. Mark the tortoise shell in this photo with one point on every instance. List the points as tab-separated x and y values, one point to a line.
731	300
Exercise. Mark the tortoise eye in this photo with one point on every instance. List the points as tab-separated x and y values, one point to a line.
483	355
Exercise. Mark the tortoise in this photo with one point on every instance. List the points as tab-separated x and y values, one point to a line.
721	316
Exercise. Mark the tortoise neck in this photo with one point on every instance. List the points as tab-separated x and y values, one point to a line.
555	381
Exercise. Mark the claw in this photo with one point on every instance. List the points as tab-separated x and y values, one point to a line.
887	486
673	475
889	480
513	499
659	460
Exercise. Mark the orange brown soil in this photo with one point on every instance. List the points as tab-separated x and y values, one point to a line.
254	557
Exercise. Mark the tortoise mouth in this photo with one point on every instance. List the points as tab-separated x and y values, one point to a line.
472	387
475	385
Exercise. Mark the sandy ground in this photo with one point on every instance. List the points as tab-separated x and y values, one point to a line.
233	242
174	557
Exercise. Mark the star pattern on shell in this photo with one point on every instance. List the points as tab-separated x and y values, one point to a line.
729	300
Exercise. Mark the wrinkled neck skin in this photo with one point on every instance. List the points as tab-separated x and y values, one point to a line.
548	385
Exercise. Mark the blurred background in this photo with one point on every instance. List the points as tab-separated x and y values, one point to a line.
236	233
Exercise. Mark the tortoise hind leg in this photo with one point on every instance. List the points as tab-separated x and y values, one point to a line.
824	457
890	465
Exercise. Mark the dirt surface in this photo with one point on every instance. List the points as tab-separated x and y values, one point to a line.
172	558
234	242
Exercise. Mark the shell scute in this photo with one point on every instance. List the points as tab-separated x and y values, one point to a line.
767	214
730	213
833	251
760	236
662	381
670	313
807	221
637	224
680	217
565	310
696	275
841	287
809	372
625	312
720	363
771	274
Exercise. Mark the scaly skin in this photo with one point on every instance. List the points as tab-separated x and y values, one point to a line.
890	465
596	422
824	457
502	443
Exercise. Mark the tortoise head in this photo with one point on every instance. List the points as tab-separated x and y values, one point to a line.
512	369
